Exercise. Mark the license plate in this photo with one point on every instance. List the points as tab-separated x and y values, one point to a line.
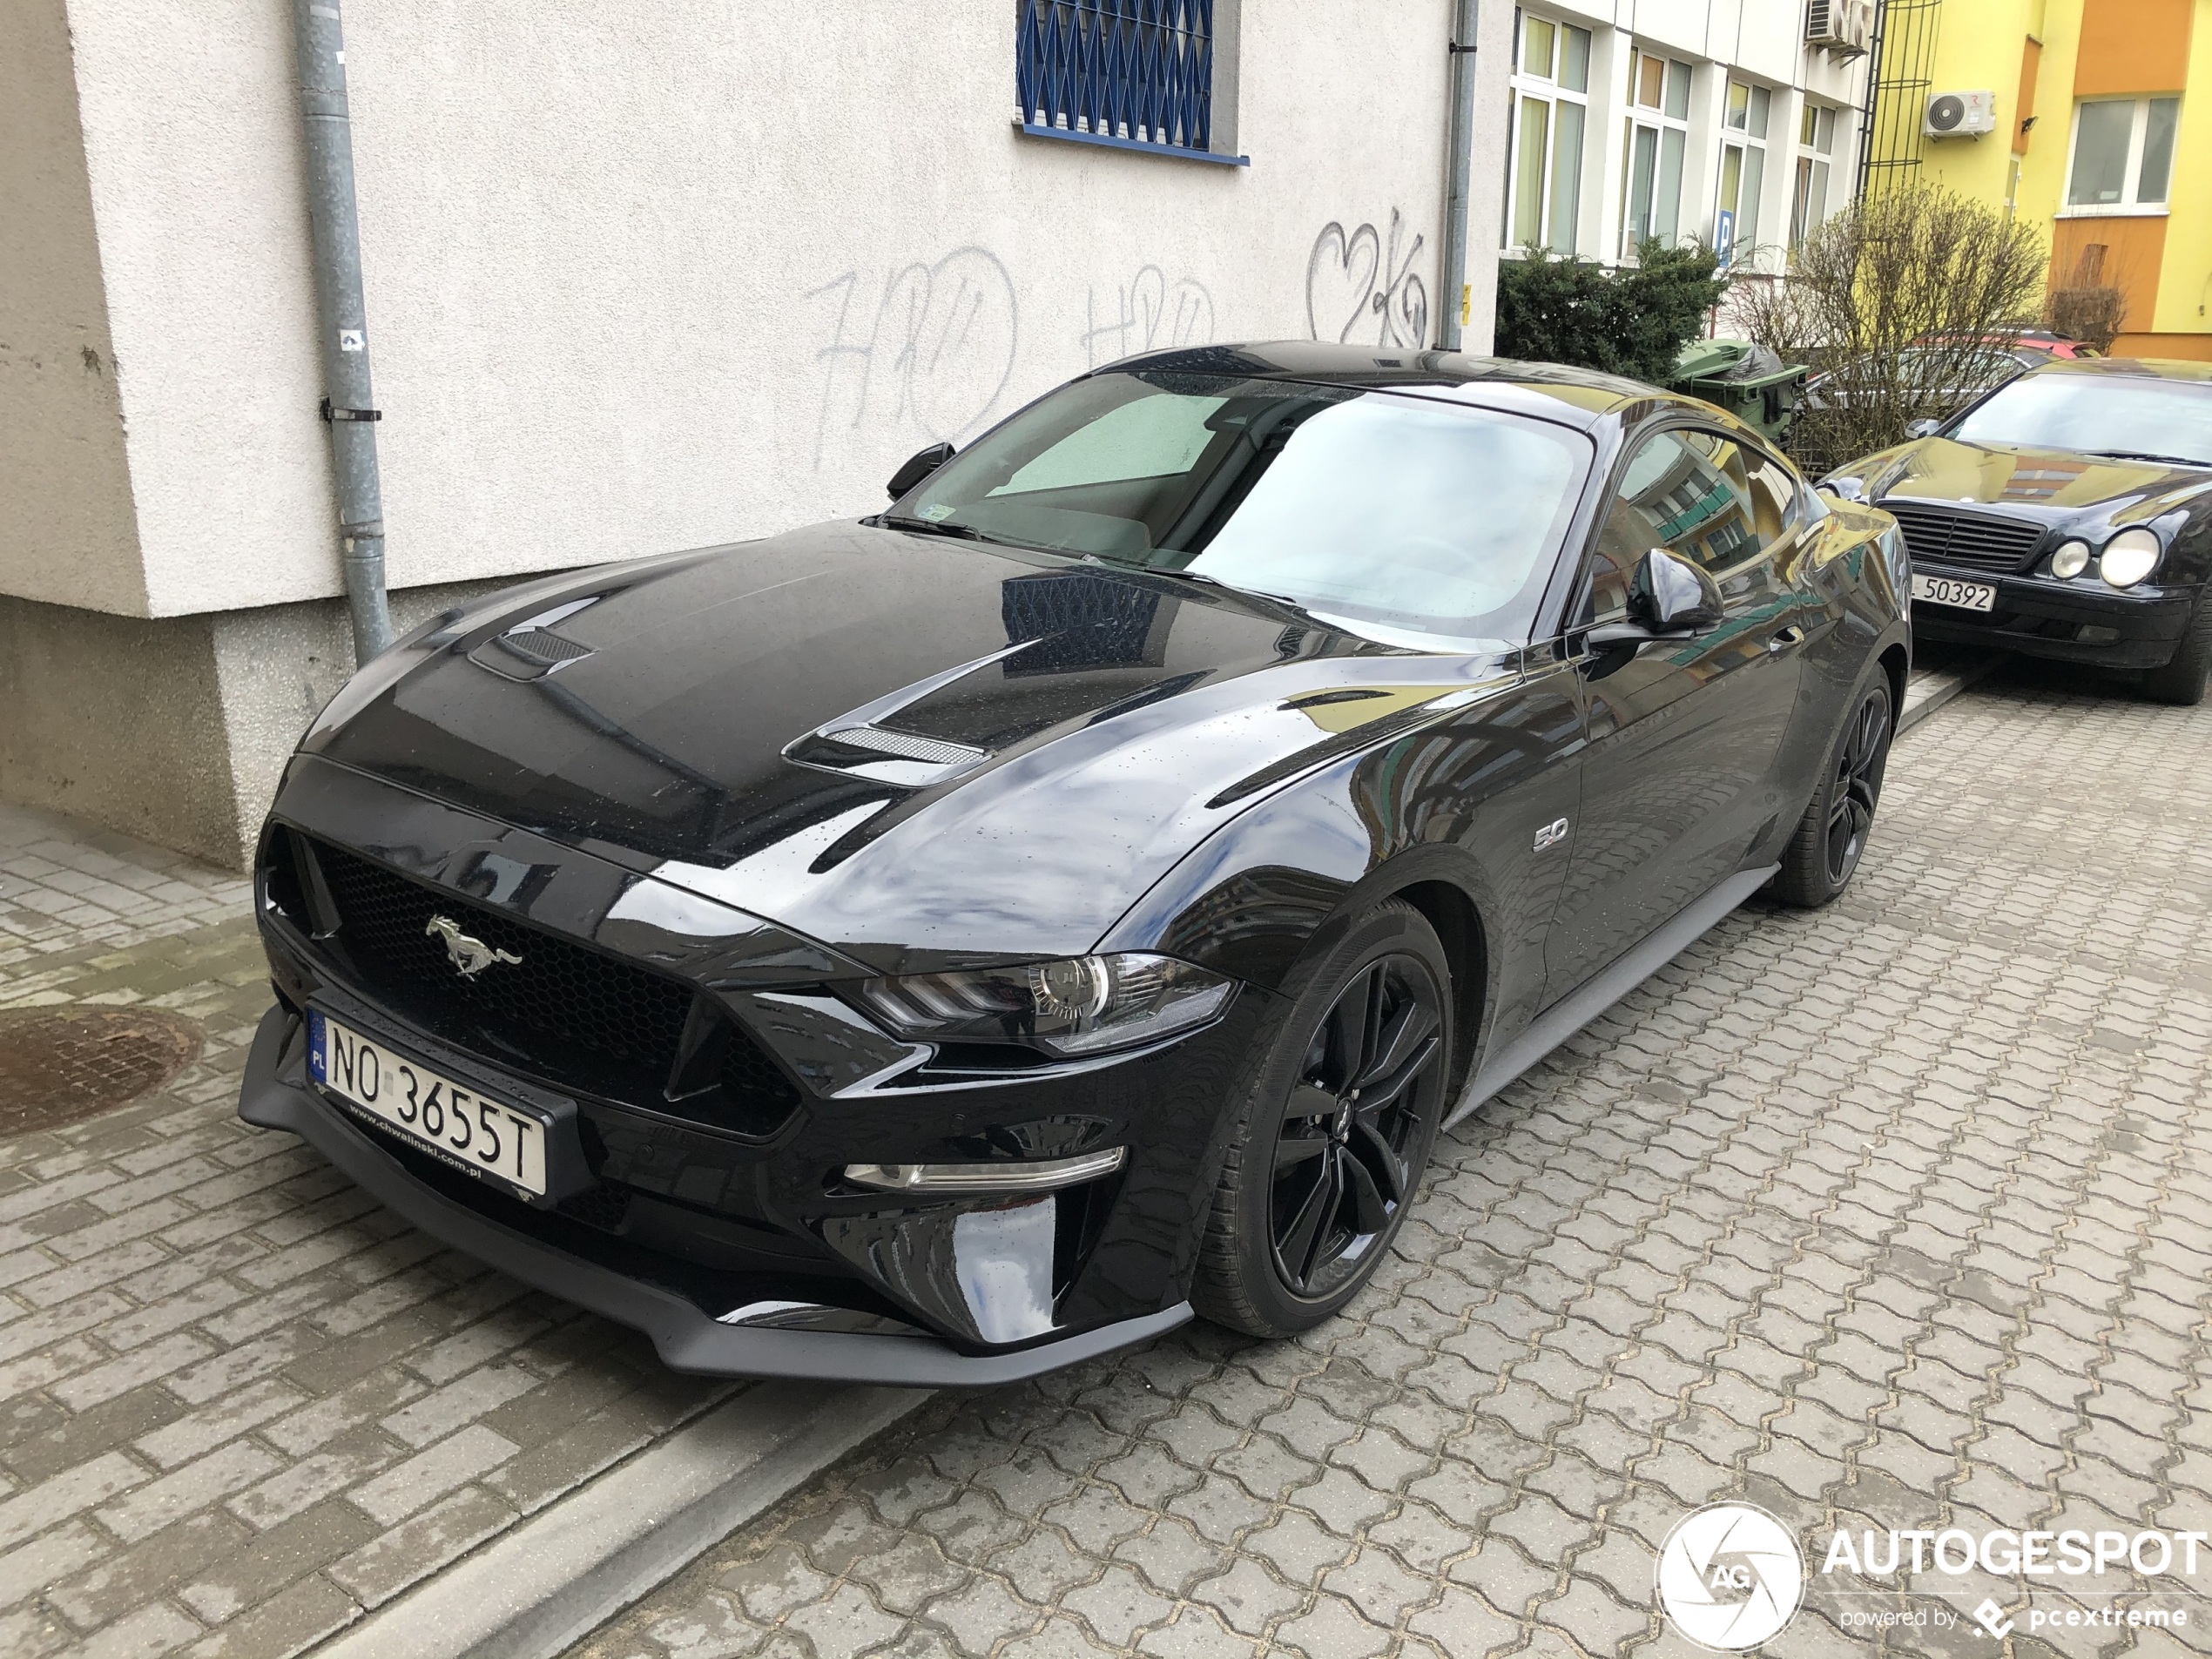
456	1124
1942	591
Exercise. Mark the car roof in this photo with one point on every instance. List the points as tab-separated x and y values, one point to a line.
2148	368
1580	396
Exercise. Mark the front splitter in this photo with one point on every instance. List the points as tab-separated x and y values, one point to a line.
275	1094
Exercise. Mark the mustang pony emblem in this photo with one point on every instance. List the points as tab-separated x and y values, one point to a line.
471	955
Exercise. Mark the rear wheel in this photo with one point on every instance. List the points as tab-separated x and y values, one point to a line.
1335	1132
1824	854
2181	681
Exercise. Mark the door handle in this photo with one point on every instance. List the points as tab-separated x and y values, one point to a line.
1788	636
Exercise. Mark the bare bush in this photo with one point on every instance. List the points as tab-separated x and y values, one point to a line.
1898	302
2085	303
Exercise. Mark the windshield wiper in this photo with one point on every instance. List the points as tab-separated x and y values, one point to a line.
933	527
2145	455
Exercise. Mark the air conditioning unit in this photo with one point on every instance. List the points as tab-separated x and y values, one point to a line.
1844	27
1959	114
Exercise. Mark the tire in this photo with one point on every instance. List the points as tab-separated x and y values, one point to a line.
1830	839
1309	1200
2181	681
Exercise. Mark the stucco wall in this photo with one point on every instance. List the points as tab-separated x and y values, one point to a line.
66	529
645	278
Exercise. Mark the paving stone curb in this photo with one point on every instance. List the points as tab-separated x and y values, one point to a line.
555	1578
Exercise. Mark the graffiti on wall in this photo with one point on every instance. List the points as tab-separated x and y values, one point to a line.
1360	285
1147	312
928	351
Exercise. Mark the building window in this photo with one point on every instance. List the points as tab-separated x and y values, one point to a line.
1551	83
1816	153
1657	133
1134	74
1744	120
2123	153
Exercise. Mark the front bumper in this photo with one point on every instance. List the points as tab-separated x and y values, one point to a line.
2068	622
277	1094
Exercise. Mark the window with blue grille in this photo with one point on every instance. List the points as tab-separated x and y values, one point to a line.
1153	75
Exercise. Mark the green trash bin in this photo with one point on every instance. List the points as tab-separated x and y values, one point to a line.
1748	380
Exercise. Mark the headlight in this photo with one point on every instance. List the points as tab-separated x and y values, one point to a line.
1083	1006
2128	557
2071	560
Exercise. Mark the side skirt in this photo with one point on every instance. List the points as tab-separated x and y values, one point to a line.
1565	1018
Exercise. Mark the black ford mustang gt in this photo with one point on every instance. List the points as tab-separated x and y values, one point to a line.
2067	515
944	947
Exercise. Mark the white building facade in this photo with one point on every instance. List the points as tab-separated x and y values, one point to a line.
1734	122
637	278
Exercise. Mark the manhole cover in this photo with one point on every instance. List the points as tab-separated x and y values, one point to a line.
59	1065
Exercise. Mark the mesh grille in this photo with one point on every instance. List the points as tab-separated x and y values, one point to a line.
557	990
564	1011
540	646
906	745
1938	535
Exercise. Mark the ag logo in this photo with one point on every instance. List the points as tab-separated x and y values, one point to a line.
1731	1576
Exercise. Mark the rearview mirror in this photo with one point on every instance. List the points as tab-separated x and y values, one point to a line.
1669	595
1922	428
918	466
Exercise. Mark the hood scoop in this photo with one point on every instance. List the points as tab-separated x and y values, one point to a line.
530	650
855	743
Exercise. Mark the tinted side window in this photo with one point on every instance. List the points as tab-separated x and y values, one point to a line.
1688	492
1776	505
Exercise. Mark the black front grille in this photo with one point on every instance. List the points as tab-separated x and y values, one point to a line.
1971	541
563	1011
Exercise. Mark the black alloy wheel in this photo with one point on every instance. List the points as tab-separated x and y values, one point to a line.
1857	786
1831	837
1341	1172
1346	1095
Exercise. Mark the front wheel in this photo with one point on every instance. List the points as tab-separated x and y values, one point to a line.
1824	854
2181	680
1335	1132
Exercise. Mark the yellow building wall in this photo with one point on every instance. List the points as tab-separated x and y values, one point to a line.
2089	48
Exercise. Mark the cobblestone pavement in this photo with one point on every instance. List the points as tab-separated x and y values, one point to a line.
239	1403
1892	1215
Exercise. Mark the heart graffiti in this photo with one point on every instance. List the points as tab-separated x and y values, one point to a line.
1355	276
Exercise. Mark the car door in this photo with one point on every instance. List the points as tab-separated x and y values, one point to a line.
1678	777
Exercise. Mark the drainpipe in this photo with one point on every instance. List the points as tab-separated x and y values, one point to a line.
1458	166
342	318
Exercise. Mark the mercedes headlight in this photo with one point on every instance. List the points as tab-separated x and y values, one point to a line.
1084	1005
2128	557
2070	561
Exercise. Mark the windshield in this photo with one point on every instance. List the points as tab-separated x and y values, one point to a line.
1389	513
2101	414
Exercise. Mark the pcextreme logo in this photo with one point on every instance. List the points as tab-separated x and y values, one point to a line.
1731	1576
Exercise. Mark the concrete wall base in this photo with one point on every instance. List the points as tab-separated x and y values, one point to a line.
173	730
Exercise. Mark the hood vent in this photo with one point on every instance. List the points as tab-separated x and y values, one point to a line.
530	650
906	747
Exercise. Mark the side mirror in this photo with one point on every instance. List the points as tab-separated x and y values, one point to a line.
918	466
1845	488
1922	428
1669	595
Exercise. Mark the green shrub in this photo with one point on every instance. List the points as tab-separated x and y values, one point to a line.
1630	320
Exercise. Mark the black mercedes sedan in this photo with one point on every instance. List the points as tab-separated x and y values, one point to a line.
941	947
2067	515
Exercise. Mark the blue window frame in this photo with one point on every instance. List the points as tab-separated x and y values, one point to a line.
1131	74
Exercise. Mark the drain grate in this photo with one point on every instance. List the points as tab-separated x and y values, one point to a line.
60	1065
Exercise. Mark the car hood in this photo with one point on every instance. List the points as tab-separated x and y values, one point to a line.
2061	486
919	750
